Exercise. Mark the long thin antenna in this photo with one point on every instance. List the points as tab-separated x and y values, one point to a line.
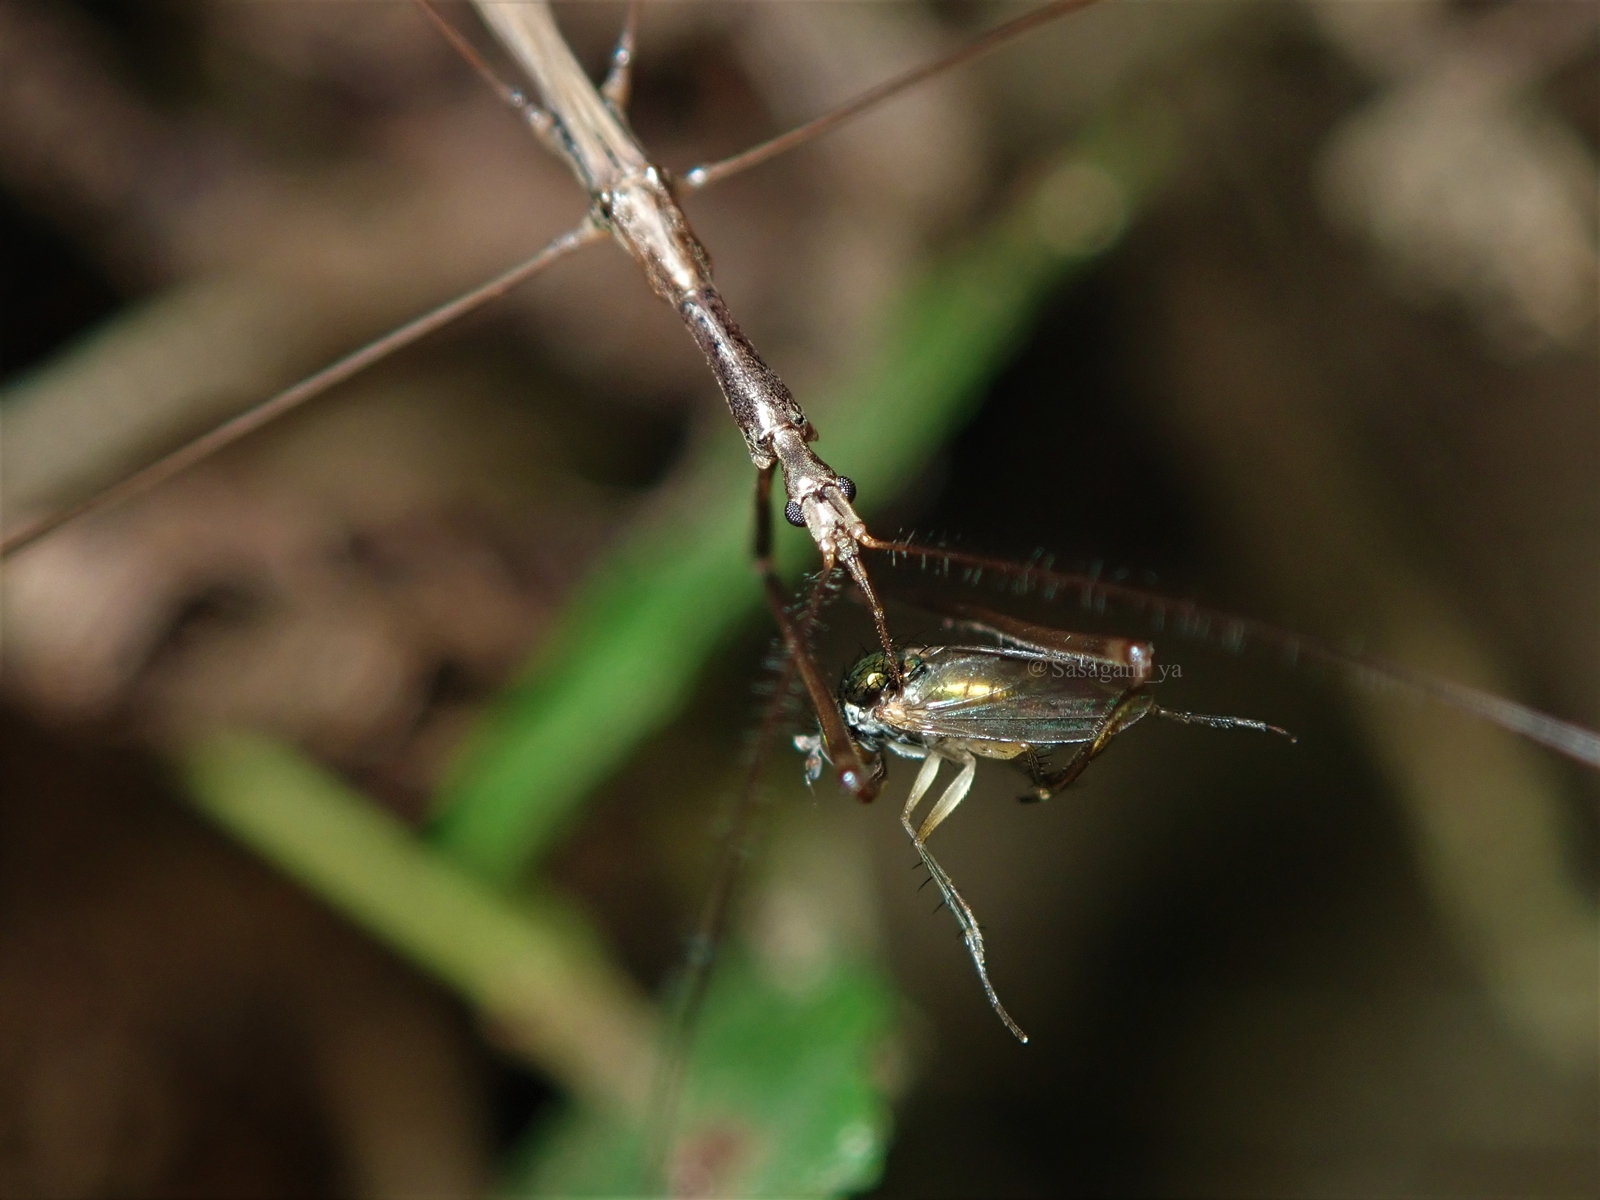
705	175
252	419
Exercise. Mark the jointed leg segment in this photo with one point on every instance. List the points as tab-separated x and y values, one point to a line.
953	795
618	85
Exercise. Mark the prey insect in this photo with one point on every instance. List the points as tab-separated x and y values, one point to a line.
1038	691
1041	690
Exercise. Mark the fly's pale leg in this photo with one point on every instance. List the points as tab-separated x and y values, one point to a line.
953	795
970	933
919	789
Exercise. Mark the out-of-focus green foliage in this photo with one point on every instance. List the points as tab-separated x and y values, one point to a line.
786	1098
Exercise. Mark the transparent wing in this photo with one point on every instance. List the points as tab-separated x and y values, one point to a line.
1005	696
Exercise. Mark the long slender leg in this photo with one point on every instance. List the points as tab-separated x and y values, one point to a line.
970	933
953	795
1213	721
743	829
538	119
706	175
678	1043
672	1062
919	788
619	79
252	419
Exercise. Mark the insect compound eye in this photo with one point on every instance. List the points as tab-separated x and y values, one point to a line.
793	514
848	487
866	682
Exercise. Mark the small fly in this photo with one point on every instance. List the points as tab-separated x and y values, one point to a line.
1039	691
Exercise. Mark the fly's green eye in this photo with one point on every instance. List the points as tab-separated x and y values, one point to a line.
865	682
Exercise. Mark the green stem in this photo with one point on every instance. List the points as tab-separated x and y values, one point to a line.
543	981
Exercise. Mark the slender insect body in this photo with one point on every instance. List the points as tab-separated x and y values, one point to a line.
633	201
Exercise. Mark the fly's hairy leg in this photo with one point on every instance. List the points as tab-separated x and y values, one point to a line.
1133	705
1047	783
1216	721
953	795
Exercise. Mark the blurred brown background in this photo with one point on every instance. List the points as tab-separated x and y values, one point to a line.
1342	376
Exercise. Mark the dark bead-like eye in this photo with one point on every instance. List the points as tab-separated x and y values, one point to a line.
793	514
848	487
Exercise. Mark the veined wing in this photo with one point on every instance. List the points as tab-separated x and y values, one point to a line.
1003	696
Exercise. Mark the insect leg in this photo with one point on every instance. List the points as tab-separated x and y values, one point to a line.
619	79
953	795
538	119
919	789
709	173
970	933
1048	783
251	419
859	775
1134	704
1216	722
